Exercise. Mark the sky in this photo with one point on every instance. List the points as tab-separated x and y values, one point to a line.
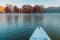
46	3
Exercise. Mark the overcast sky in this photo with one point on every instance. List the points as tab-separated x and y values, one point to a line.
46	3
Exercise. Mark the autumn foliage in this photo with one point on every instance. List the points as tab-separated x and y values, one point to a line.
24	9
27	9
15	9
38	9
2	9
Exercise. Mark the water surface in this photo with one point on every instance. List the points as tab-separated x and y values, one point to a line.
21	26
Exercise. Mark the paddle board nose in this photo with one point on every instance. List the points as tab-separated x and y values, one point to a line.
39	34
38	27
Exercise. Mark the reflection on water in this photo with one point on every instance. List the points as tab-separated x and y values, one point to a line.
21	26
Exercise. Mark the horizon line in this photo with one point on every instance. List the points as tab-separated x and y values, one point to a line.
20	5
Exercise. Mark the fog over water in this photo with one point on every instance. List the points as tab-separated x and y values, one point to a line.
21	26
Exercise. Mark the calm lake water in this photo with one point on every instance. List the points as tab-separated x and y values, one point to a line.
21	26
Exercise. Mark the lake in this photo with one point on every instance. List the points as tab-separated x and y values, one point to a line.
21	26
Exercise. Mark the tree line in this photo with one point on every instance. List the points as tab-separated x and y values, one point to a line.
24	9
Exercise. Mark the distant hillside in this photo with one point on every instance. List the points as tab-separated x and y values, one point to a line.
52	10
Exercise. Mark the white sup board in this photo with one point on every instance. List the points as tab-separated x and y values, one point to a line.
39	34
